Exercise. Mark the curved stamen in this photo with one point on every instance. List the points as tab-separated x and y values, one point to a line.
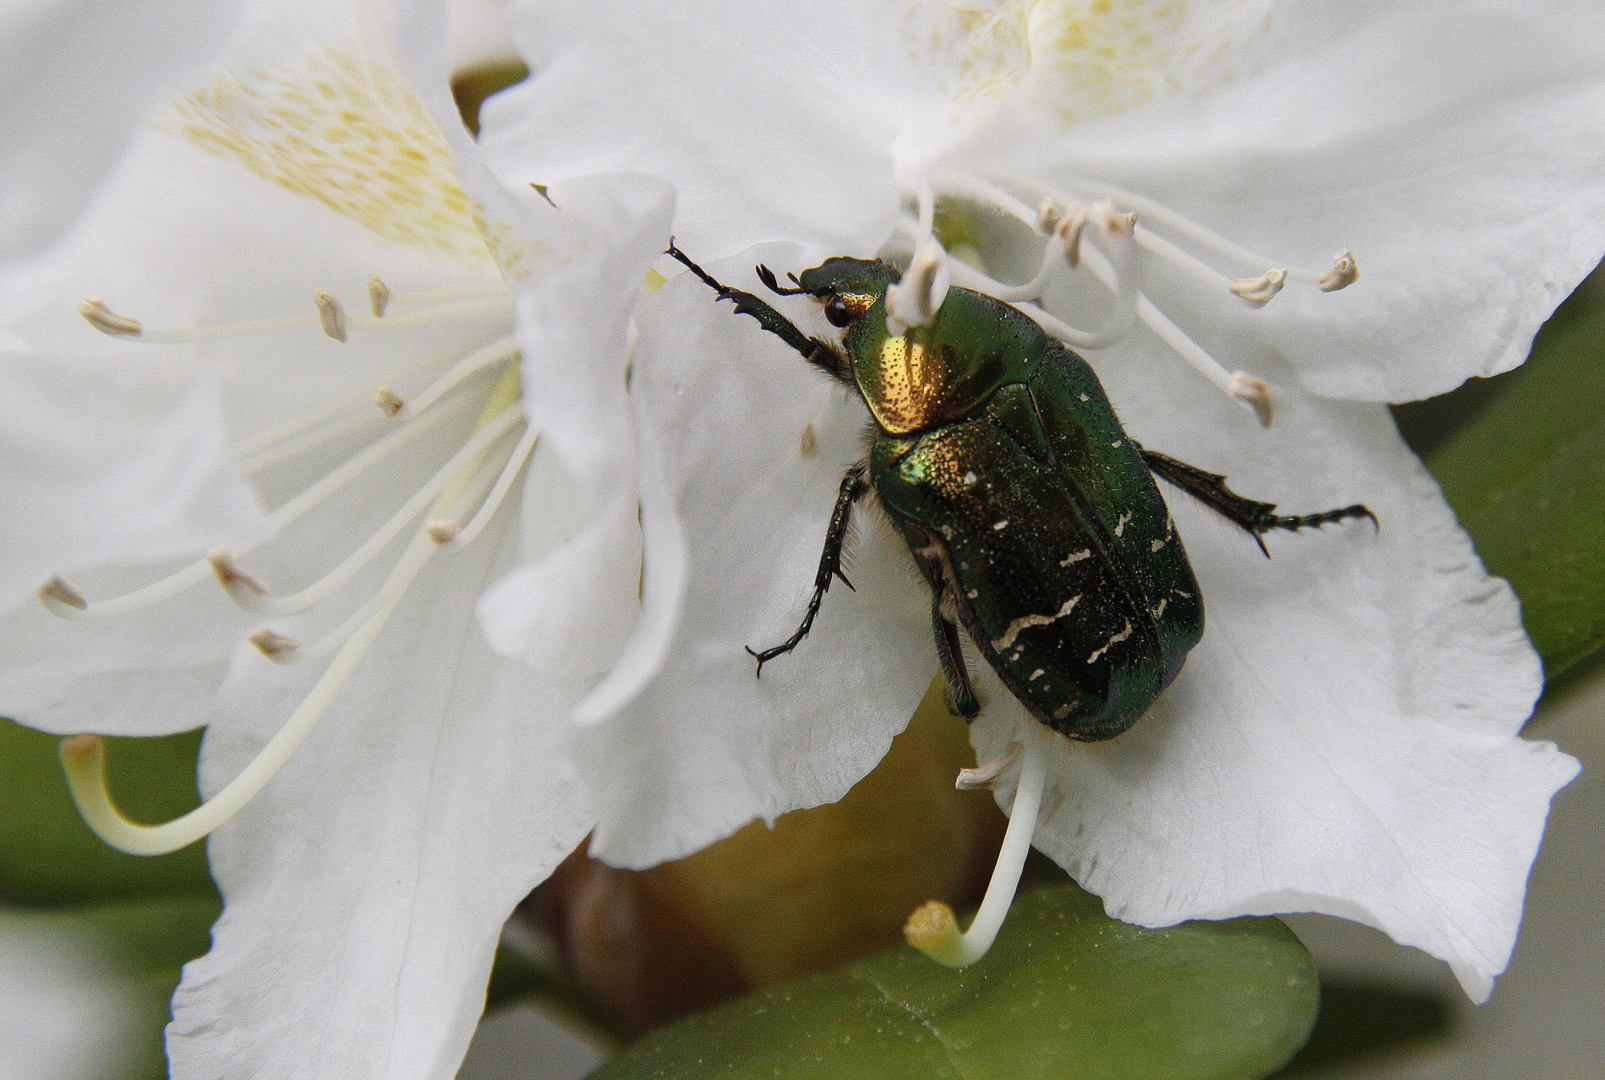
932	929
196	572
460	536
1248	391
83	757
255	600
502	349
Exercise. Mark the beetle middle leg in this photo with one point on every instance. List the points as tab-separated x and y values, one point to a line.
852	489
1256	518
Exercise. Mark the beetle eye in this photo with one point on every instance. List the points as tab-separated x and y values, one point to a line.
839	312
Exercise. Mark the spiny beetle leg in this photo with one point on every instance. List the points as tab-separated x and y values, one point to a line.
1257	518
852	489
819	353
961	699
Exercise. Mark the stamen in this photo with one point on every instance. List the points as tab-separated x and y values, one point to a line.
382	536
241	587
1344	272
378	297
388	402
502	349
464	535
933	930
83	758
1258	291
1243	388
986	775
331	316
106	320
914	300
322	489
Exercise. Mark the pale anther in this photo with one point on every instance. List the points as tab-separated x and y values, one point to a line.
331	316
986	774
56	594
388	402
1047	214
442	530
274	646
241	587
1253	392
1069	229
106	320
378	297
1344	272
1258	291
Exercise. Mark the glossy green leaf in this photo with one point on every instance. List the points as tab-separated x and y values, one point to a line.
48	855
1521	458
1065	992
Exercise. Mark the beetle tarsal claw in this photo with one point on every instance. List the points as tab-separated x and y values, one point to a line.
986	774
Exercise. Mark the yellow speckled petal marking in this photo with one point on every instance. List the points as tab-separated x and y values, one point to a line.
1095	58
347	132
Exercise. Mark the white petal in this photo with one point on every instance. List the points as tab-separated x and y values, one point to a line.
771	123
366	886
75	77
1344	737
107	464
707	747
1456	151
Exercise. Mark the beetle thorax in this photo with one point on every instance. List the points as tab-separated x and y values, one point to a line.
930	375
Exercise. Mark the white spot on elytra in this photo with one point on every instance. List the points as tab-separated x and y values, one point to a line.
1035	675
1025	622
970	478
1156	545
1159	609
1084	397
1179	592
1076	556
973	593
1001	525
1116	444
1122	522
1061	712
1113	641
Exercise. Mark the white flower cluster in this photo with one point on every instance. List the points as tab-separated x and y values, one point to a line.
363	443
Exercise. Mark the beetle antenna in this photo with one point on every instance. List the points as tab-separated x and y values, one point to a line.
767	276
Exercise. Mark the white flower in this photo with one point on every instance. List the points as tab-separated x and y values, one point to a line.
1344	737
306	238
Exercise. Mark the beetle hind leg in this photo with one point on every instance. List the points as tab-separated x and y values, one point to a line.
1256	518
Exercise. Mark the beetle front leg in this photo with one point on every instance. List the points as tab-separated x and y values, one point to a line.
852	489
1257	518
819	353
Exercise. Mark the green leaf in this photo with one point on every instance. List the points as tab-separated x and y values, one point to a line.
48	855
1065	992
1521	458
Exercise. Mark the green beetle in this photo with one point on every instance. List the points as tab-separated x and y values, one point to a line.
1033	516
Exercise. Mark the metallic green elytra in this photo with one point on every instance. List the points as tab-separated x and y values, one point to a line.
1032	515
